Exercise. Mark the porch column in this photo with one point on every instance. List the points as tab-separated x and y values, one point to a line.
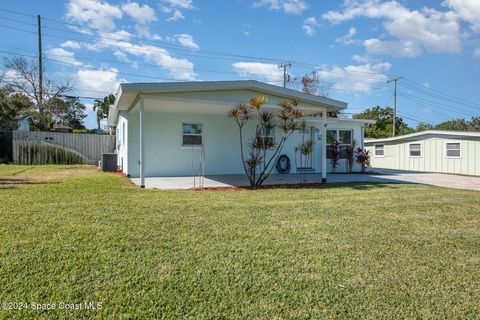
142	147
324	148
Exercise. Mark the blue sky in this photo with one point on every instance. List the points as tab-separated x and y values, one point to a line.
354	45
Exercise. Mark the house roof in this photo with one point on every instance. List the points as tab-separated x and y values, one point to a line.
28	117
128	92
427	133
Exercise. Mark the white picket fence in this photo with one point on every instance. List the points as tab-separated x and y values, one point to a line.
91	146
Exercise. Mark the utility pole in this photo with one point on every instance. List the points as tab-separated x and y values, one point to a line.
286	76
40	66
394	80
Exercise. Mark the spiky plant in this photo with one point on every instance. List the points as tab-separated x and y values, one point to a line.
289	119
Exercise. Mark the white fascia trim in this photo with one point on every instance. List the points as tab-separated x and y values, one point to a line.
429	132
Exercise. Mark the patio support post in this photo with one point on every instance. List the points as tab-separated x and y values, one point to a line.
142	147
324	148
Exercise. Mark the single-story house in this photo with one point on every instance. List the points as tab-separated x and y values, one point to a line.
430	151
24	123
167	129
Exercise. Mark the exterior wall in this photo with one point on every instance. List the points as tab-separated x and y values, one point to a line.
433	157
230	97
165	155
357	139
122	141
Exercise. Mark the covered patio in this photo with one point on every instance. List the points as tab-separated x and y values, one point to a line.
240	180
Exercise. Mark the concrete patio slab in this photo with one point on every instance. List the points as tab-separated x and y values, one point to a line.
176	183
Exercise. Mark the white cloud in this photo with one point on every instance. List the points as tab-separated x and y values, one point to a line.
63	55
467	10
288	6
309	25
92	82
411	31
187	41
355	78
175	8
141	14
266	71
71	44
180	69
476	54
348	38
97	14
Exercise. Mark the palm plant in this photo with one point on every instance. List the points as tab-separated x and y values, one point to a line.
261	162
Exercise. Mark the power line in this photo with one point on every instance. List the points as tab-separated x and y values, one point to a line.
298	64
437	105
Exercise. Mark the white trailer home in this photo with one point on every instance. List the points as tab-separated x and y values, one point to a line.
429	151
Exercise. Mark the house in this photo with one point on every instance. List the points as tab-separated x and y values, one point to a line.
165	129
23	123
429	151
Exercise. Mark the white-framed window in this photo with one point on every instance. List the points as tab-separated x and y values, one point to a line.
379	150
415	149
192	134
453	149
345	137
266	136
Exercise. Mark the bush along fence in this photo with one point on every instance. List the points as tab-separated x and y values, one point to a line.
38	152
89	146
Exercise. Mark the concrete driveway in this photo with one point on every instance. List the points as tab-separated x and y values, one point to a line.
436	179
376	175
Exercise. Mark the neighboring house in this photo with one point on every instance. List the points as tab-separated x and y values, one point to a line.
429	151
166	129
24	123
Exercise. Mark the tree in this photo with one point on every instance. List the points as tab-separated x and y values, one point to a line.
25	80
102	107
13	106
263	149
311	84
383	127
423	126
75	113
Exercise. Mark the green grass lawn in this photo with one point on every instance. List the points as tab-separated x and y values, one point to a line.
365	251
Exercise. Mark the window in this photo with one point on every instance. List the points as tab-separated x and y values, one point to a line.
192	134
266	138
415	149
379	150
453	150
343	136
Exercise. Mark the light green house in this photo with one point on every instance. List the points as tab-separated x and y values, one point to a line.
429	151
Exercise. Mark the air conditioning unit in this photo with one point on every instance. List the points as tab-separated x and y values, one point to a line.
109	162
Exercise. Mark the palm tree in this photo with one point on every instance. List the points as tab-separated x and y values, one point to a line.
102	107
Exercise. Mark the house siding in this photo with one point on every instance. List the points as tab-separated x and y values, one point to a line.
433	157
165	155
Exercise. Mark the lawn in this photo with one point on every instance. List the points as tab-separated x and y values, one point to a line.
71	234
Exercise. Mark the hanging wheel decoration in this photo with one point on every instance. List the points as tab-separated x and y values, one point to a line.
283	164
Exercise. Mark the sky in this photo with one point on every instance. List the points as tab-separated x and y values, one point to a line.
354	45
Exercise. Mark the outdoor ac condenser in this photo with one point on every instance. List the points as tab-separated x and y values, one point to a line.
109	162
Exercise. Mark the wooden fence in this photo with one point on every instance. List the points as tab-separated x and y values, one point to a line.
91	146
